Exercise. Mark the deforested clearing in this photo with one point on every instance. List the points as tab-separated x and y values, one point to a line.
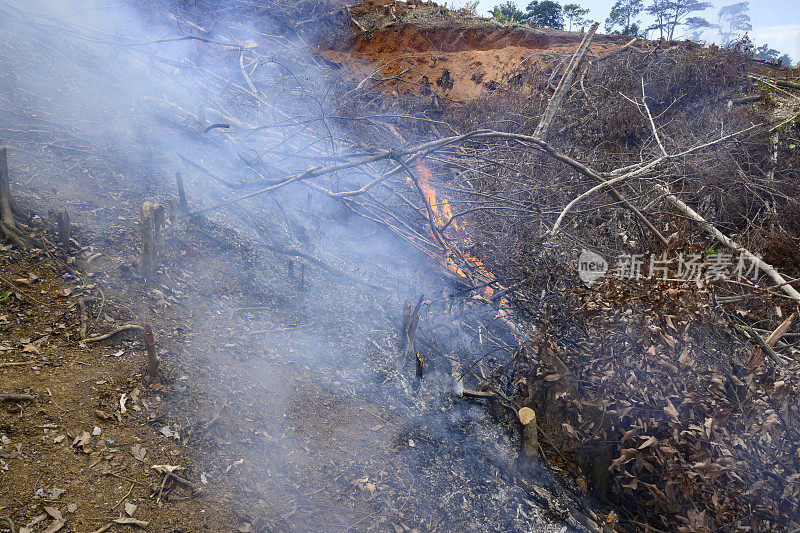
392	266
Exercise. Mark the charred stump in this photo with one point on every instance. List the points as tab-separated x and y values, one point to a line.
408	328
64	229
152	224
183	206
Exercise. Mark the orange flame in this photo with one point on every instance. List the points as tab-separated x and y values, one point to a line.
443	216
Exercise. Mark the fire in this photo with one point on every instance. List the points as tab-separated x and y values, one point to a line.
442	217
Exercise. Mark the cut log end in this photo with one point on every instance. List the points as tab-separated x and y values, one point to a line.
530	432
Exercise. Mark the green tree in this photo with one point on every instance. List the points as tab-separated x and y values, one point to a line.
509	12
574	13
623	14
622	19
734	20
546	13
765	53
669	14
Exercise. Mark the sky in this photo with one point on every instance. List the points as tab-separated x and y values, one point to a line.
775	22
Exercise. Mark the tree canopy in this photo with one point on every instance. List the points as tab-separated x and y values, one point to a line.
575	14
509	12
734	20
669	14
622	19
546	13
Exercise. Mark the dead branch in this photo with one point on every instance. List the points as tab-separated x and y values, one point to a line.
564	85
727	241
787	83
17	398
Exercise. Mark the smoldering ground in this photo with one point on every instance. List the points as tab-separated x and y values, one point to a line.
286	306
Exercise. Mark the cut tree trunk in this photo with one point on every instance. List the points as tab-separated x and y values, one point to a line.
9	227
151	369
152	223
64	228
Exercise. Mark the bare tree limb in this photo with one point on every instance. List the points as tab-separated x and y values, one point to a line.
727	241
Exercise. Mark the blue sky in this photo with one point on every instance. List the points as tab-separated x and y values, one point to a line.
775	22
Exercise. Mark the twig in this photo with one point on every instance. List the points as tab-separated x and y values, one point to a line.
126	495
163	483
183	481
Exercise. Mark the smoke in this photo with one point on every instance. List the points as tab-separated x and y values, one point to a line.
293	308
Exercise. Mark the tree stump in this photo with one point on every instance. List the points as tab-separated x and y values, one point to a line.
151	369
182	204
530	433
64	228
9	211
152	224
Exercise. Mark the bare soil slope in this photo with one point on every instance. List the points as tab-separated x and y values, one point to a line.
425	49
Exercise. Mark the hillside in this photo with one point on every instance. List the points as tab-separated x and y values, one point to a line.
426	49
401	268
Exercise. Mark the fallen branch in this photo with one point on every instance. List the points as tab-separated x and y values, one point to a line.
787	83
127	327
727	241
17	398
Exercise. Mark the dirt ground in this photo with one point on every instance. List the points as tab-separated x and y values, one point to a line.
71	457
263	405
